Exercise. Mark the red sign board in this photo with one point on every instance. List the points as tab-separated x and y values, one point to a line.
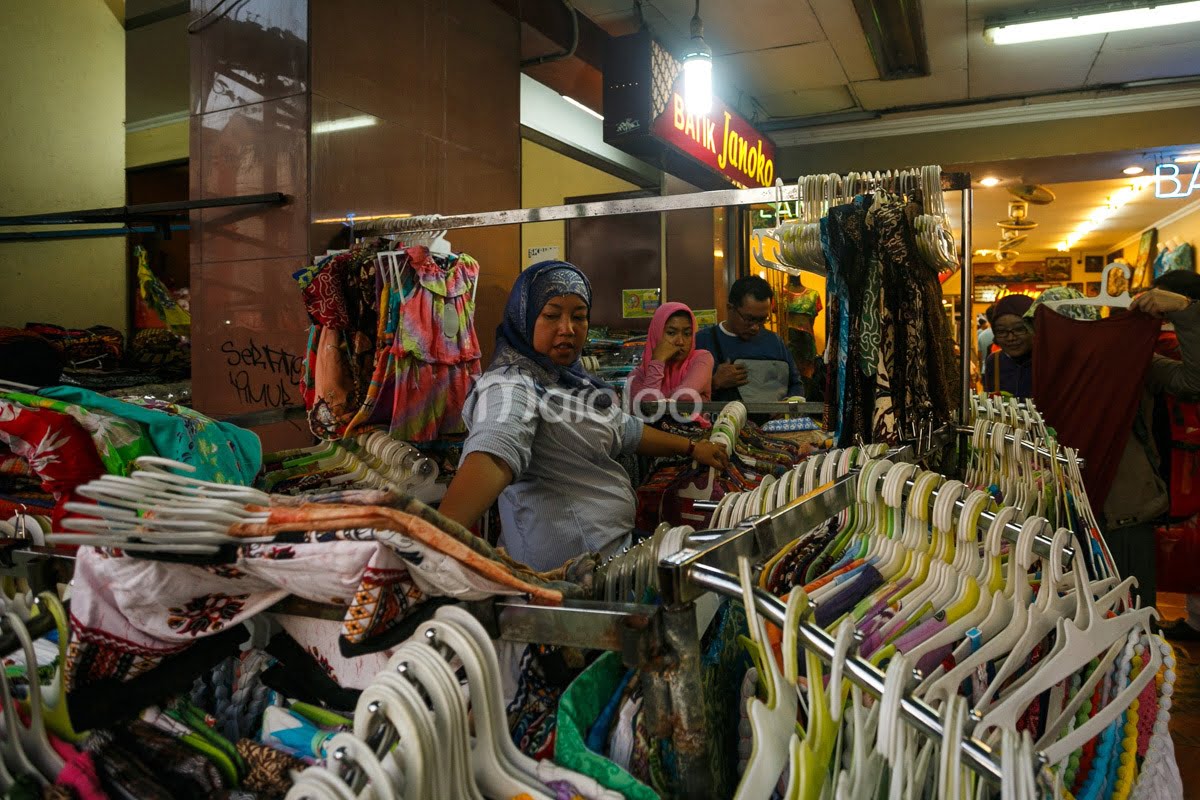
723	140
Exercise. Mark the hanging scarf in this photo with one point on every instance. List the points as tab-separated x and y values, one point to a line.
534	288
673	371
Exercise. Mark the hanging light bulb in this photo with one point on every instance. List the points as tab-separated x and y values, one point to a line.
697	70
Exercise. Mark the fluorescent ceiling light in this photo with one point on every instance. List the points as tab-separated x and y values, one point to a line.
578	104
989	182
344	124
1133	170
1188	158
1085	24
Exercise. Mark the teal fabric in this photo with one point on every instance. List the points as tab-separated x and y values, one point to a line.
578	710
220	452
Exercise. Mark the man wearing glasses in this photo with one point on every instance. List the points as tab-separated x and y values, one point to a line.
751	363
1011	370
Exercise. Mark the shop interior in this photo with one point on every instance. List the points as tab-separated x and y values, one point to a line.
599	399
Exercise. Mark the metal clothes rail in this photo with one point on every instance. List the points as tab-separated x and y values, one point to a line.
979	756
951	181
141	218
761	537
1026	444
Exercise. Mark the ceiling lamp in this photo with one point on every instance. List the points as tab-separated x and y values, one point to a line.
1045	26
697	70
989	182
1133	170
1187	158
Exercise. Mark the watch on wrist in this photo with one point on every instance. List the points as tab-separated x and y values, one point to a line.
691	449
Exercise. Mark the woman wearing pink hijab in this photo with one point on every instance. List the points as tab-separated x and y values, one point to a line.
670	362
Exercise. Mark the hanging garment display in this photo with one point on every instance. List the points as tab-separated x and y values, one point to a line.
969	623
1077	361
889	352
802	307
393	344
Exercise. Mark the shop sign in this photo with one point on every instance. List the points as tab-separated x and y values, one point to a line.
722	140
645	116
1168	182
639	303
986	294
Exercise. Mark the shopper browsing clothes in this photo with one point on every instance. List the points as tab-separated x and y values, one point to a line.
752	363
671	365
1011	369
1084	390
544	435
1180	462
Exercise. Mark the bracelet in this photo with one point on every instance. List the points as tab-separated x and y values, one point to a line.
691	448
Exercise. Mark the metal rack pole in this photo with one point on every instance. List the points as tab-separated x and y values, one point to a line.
603	208
967	331
977	755
1027	445
764	536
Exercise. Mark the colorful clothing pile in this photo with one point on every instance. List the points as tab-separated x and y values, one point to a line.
380	556
390	348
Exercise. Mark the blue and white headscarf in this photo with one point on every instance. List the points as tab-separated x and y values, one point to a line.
535	287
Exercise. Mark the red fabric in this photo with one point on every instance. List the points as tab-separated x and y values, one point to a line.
57	448
1177	551
1088	381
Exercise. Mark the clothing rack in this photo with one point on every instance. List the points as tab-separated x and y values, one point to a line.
979	756
664	641
780	193
760	537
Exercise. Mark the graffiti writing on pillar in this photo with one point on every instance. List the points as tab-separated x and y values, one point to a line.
262	374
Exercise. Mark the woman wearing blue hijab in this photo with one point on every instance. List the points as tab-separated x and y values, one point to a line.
544	436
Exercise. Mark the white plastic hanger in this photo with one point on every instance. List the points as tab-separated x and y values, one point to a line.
403	707
1080	645
450	713
496	777
774	722
33	739
14	758
347	751
1123	300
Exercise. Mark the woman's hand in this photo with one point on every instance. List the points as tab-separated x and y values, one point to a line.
664	351
1159	303
711	454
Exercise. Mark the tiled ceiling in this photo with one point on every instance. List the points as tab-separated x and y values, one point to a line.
784	59
1074	203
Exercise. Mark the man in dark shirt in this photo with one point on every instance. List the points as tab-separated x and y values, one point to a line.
751	363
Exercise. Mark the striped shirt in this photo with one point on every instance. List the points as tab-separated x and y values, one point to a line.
568	495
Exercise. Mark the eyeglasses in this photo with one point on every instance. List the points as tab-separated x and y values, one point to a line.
1011	333
752	322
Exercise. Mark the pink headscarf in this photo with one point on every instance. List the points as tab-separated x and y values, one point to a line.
674	371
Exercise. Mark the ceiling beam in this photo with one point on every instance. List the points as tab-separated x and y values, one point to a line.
1015	112
895	34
